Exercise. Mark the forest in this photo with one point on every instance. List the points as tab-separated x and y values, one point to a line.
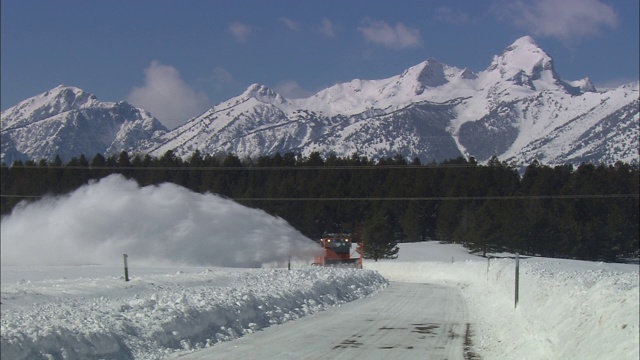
588	211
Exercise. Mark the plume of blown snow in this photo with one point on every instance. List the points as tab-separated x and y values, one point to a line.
164	224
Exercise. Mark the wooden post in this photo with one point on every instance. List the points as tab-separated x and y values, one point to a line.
488	264
361	253
126	269
517	279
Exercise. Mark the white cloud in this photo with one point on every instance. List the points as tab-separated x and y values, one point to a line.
239	31
167	97
564	19
394	37
292	90
327	28
290	24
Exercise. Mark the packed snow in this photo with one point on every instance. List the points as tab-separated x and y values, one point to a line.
83	309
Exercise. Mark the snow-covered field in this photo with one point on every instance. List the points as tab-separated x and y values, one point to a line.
75	309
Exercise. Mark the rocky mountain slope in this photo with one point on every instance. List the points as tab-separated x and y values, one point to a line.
68	122
518	109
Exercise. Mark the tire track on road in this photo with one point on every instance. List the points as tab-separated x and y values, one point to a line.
404	321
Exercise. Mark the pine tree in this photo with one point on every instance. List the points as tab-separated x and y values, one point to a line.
379	239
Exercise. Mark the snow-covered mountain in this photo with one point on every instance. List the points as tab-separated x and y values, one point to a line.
68	122
518	109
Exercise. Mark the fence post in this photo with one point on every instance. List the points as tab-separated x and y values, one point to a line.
126	269
517	279
488	263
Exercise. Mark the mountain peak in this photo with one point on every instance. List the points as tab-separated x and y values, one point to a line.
65	98
524	41
68	121
65	89
264	94
58	100
523	55
468	74
429	73
582	85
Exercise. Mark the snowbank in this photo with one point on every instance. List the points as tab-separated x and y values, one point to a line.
153	316
566	310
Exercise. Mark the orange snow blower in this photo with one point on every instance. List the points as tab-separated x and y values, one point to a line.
338	252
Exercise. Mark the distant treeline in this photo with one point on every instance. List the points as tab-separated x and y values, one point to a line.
584	212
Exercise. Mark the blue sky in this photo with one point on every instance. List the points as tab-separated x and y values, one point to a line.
178	58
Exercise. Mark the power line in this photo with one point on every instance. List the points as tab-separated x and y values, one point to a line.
445	198
418	198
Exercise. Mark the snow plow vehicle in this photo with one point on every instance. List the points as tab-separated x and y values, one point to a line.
338	251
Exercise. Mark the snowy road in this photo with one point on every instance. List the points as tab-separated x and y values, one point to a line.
404	321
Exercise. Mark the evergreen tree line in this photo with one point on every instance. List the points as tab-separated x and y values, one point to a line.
584	212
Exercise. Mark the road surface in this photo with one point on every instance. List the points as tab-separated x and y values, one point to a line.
404	321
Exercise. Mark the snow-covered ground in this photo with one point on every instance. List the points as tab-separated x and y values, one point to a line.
83	316
80	307
567	309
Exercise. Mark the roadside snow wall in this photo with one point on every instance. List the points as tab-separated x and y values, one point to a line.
180	313
564	311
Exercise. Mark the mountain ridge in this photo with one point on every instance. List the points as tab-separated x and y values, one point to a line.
68	122
518	109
